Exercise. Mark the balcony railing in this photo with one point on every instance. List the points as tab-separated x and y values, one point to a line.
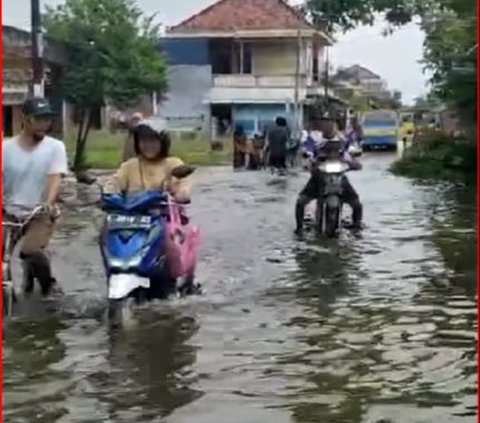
258	81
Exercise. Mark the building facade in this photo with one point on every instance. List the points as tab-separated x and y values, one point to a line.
228	68
17	77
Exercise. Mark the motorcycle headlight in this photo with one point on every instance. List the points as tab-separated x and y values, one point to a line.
131	262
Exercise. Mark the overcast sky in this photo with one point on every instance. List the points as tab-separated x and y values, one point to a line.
395	58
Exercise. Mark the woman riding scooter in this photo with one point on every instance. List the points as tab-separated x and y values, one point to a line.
152	168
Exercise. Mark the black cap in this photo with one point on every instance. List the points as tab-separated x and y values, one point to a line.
37	106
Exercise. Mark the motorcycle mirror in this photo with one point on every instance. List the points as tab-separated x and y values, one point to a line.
183	171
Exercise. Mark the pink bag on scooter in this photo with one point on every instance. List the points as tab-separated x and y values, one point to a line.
181	244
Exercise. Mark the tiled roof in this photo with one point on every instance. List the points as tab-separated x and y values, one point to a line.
231	15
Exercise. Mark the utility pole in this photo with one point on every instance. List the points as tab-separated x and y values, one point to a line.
327	75
37	88
297	86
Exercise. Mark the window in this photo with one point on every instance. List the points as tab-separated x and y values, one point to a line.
247	58
242	58
316	69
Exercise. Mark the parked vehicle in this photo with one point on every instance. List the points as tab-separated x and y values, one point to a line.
380	129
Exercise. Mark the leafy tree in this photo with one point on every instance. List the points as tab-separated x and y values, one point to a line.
449	48
111	56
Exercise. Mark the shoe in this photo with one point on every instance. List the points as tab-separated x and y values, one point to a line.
52	289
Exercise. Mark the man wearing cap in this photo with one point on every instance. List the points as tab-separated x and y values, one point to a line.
32	168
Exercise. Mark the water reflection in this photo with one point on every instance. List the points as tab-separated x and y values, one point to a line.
151	367
31	384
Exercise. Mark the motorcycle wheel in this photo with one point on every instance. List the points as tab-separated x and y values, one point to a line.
332	215
120	312
319	217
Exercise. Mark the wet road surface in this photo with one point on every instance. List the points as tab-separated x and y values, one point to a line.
353	330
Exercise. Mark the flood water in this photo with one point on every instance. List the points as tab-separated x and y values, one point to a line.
380	328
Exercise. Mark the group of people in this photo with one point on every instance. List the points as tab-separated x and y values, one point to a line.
34	163
273	148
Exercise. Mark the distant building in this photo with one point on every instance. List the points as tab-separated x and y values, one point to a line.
17	76
364	80
235	63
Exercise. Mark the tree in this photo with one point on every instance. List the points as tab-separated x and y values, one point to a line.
111	56
449	48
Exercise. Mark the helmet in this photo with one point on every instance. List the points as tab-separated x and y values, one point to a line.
354	150
148	130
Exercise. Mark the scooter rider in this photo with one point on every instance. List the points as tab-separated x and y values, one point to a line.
151	168
314	184
32	168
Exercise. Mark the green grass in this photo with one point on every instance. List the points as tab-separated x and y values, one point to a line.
438	157
104	150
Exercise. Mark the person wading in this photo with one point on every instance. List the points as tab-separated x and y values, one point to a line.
32	168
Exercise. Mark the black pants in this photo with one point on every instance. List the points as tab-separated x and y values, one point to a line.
310	193
278	162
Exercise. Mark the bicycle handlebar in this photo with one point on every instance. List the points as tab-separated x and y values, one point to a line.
26	218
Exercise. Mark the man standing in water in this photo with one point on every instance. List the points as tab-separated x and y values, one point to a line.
32	168
277	144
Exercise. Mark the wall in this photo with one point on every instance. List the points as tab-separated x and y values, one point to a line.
274	58
185	51
188	87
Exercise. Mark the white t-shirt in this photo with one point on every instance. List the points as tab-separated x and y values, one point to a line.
25	172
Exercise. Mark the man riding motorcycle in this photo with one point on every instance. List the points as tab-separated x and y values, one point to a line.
32	168
315	183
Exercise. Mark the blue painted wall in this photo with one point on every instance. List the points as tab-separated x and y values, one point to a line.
254	117
185	51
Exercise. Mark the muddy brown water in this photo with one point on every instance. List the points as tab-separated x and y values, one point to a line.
380	328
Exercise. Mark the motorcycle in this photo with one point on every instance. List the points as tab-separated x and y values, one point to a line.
149	249
328	212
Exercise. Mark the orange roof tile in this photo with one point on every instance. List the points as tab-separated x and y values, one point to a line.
238	15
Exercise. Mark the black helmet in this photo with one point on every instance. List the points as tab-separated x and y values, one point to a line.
281	121
144	130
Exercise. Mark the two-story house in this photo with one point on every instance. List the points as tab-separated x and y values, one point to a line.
242	62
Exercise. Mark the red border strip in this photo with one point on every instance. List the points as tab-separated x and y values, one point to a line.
478	221
1	185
